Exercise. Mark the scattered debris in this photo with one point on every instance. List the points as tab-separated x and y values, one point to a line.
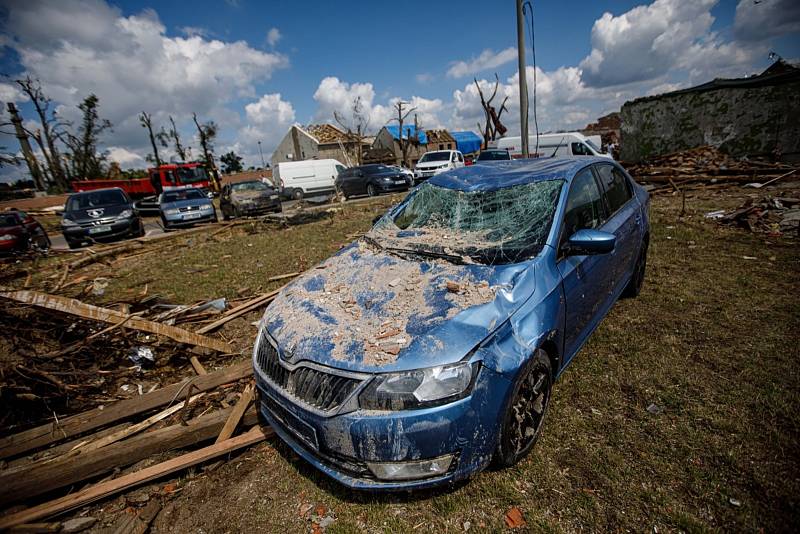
771	215
79	524
515	519
142	356
735	502
655	409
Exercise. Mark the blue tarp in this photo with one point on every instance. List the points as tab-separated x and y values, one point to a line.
467	142
409	130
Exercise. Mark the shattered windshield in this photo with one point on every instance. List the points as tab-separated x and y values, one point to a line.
249	186
502	226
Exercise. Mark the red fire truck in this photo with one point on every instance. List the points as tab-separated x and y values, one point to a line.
162	178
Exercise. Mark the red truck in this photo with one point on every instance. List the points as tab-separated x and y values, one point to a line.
163	178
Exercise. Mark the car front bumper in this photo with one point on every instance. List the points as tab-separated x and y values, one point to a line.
270	206
189	218
388	187
342	445
115	229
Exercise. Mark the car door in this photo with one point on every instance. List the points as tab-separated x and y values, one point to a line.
624	222
584	278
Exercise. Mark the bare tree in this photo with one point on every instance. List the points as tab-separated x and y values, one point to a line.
146	121
355	128
176	139
20	133
50	129
208	133
492	126
401	117
86	162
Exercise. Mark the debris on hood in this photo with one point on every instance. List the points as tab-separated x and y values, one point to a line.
368	304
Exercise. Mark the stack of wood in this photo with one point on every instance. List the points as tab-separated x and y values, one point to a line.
705	164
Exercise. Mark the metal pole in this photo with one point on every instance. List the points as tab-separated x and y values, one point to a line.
262	155
523	83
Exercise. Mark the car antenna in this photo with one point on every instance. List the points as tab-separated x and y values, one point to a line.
557	147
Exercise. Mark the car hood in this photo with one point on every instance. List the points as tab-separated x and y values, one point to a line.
247	196
431	164
16	231
192	202
366	310
97	213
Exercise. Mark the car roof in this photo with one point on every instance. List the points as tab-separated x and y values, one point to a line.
501	174
79	193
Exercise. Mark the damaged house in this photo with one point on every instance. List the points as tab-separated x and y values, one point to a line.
387	144
319	141
754	116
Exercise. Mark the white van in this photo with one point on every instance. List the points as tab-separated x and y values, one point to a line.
307	178
560	144
437	161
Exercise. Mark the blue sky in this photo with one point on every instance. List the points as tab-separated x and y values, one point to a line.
257	67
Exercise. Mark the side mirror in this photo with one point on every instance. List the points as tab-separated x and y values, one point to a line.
589	242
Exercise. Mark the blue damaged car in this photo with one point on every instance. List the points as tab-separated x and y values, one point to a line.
426	350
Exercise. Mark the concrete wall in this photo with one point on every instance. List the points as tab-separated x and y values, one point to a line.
739	121
308	147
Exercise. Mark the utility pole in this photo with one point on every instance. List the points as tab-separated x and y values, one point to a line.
523	83
30	159
262	155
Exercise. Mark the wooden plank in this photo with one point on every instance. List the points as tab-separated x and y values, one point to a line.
29	481
236	414
139	523
240	310
97	418
111	487
198	367
91	258
106	315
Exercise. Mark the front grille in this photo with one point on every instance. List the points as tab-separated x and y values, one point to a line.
322	390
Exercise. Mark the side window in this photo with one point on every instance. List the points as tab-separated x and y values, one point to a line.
584	205
340	169
579	149
615	184
460	157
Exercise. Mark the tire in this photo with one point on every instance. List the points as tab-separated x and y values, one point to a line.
525	414
225	216
41	241
165	225
297	194
634	286
73	244
215	219
371	191
140	232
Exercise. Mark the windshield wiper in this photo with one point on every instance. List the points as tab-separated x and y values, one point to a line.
372	241
453	258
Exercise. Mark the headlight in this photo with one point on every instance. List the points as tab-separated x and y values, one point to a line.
126	214
6	237
419	388
206	207
68	222
273	197
172	211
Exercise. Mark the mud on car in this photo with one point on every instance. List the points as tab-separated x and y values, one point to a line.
428	349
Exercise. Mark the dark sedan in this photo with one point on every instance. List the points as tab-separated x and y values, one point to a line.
19	232
100	215
371	180
253	197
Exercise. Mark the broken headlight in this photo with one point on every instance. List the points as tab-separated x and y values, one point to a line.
420	388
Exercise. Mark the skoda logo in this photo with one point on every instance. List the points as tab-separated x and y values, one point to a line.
95	213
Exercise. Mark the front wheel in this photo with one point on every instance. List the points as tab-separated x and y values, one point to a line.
297	194
526	411
371	191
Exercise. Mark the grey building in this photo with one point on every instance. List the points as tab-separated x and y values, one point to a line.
318	141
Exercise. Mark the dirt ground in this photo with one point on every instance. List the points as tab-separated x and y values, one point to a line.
710	347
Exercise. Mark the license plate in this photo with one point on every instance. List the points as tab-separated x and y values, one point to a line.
99	229
190	216
399	182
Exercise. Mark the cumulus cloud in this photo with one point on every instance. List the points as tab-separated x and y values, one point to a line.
267	120
77	47
488	59
759	21
125	157
11	93
273	36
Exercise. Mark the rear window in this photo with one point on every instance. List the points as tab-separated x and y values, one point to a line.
94	199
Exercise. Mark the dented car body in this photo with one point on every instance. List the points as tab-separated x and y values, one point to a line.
419	353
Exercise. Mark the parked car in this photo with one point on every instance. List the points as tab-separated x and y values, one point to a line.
299	179
20	232
433	163
185	207
408	173
372	180
494	155
99	215
253	197
425	350
558	144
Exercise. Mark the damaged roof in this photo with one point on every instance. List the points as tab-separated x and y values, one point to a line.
481	177
326	133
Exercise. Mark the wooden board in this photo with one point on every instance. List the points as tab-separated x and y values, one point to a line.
238	311
111	487
87	421
106	315
19	484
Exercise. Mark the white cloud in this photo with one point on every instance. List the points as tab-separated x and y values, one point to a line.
268	120
424	78
488	59
77	47
759	21
126	158
273	36
10	93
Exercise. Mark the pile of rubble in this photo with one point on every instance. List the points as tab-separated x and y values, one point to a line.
705	165
771	215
